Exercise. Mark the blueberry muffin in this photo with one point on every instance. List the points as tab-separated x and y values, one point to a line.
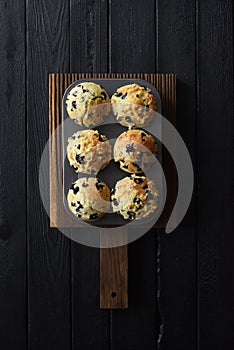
88	151
134	105
135	150
88	104
134	197
89	198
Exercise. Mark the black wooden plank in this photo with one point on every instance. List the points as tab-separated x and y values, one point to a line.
177	54
89	54
89	36
132	36
13	298
215	174
133	49
48	249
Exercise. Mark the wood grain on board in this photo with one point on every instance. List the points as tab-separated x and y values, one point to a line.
114	272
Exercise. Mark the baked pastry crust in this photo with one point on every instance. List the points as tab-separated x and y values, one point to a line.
88	151
89	198
133	105
88	104
135	150
134	197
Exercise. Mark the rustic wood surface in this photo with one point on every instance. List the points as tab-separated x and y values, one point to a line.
216	166
177	51
180	285
13	232
48	252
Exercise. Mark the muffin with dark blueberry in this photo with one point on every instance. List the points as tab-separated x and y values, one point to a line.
134	105
88	151
134	197
88	104
89	198
135	150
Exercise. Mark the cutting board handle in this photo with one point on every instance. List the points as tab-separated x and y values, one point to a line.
114	270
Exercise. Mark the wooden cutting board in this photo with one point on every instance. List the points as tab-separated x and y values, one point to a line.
113	261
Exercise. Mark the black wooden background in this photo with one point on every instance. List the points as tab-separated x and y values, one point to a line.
49	286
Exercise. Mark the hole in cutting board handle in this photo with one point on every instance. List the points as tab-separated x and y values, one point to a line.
114	294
